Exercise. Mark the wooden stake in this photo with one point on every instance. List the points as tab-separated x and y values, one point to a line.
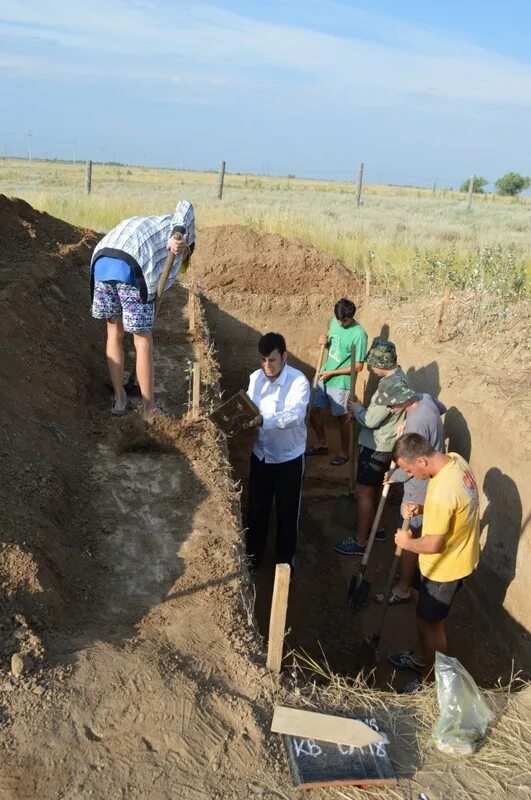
367	281
277	620
221	179
444	305
196	389
359	184
191	311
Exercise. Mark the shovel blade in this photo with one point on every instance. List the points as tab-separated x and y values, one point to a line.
358	594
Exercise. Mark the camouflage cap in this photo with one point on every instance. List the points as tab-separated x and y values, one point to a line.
395	391
382	354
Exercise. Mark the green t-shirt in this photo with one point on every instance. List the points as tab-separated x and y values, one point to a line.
340	341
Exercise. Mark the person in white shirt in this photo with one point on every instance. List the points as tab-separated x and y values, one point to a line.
277	459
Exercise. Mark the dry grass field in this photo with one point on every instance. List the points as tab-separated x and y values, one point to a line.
404	238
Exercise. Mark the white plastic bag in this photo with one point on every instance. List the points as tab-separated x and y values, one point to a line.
463	715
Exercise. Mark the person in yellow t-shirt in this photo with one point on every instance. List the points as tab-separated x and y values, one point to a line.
448	549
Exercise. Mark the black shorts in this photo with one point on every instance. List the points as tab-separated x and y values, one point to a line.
372	466
435	597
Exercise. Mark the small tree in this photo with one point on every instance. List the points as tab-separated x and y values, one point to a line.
512	183
478	187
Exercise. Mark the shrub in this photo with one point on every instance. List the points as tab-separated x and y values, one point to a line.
478	186
512	183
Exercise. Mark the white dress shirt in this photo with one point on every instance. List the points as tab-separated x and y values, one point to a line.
282	403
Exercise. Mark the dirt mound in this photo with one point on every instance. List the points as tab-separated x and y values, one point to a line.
47	371
234	257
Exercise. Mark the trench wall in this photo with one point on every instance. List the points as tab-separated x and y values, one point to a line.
477	426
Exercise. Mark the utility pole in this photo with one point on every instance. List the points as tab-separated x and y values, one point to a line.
74	148
359	184
29	144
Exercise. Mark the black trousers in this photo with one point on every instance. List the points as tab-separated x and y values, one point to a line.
283	483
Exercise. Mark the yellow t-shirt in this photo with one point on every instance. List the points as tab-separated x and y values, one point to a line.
451	509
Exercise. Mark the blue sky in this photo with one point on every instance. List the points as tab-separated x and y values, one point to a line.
419	91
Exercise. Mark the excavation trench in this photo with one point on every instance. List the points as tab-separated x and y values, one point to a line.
274	296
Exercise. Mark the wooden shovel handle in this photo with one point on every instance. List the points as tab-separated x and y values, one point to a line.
168	264
405	526
377	517
318	367
353	422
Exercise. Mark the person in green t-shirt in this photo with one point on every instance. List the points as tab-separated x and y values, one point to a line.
333	389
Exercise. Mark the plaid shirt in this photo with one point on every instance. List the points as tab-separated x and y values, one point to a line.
141	242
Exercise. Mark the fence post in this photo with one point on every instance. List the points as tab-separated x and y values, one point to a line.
470	191
221	179
359	184
88	177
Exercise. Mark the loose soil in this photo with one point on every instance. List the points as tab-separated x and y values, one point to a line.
122	565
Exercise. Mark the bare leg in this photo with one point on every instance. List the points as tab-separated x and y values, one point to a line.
366	502
145	371
344	433
408	565
432	637
317	423
115	361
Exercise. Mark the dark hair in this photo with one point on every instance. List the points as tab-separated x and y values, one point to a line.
344	309
411	446
271	341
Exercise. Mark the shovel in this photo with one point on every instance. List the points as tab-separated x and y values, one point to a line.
370	646
315	381
131	387
346	505
358	592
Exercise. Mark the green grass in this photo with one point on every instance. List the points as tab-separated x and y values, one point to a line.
406	239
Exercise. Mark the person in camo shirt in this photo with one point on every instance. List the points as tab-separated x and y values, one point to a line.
378	433
423	416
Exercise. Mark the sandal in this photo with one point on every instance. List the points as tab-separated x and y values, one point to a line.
338	461
120	412
394	599
316	450
158	411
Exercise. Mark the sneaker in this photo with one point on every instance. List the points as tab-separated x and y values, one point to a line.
411	688
380	535
349	547
405	660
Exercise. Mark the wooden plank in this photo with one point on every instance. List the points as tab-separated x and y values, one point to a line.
325	727
277	620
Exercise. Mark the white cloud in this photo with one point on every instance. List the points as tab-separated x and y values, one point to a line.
376	61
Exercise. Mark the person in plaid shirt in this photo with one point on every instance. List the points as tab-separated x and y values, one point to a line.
125	270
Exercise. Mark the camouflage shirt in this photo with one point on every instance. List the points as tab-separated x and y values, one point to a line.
377	424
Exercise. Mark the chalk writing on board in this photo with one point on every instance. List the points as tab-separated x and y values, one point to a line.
310	748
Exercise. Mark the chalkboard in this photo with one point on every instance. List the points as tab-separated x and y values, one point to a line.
314	763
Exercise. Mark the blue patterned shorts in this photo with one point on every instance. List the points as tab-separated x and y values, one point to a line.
115	300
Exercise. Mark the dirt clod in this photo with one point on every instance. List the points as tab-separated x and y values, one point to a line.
21	664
